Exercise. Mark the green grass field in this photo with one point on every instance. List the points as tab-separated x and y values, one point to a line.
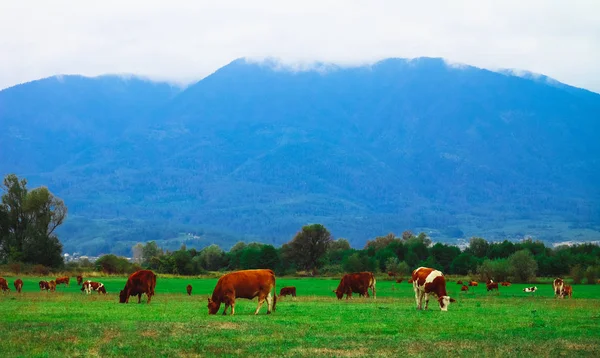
68	323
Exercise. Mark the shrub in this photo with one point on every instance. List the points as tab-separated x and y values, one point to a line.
523	266
577	273
40	270
591	275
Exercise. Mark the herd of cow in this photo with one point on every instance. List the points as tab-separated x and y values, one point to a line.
259	283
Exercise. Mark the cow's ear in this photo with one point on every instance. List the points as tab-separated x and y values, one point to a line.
452	299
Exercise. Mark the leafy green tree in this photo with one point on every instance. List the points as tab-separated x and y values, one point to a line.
268	258
464	263
381	242
309	245
212	258
28	220
523	266
182	263
497	270
150	251
392	265
591	275
478	247
444	255
112	264
577	274
404	269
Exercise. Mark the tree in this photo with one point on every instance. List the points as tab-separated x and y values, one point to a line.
309	245
268	257
150	251
523	266
28	220
391	265
478	247
138	253
497	270
212	258
464	263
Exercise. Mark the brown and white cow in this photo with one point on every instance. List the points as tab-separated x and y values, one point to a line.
464	288
138	283
4	285
244	284
289	290
18	285
79	280
492	286
62	280
44	285
530	289
567	291
473	283
557	286
428	281
358	282
52	286
89	286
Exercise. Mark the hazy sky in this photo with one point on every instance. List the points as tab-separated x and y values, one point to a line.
183	41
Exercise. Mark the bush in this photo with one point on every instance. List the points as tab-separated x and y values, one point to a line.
523	266
497	270
40	270
15	267
591	275
332	270
577	274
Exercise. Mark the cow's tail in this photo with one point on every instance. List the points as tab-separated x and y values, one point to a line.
373	286
274	293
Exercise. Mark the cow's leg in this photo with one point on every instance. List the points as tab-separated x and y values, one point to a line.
139	298
418	298
269	303
232	308
225	310
426	300
374	295
261	300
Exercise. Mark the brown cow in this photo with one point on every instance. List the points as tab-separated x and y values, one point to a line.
505	283
4	285
189	290
492	286
63	280
18	285
89	286
52	286
79	280
290	290
391	274
459	282
558	286
358	282
44	285
473	283
464	288
142	281
567	291
428	281
410	280
399	280
244	284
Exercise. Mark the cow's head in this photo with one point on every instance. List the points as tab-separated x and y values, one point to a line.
102	289
122	296
339	293
445	302
213	306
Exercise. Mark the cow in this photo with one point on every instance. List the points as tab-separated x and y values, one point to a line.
489	281
44	285
89	286
244	284
290	290
79	280
567	291
473	283
358	282
18	285
428	281
62	280
557	286
410	280
4	285
505	283
399	280
189	290
459	282
391	274
492	286
464	288
52	286
138	283
530	289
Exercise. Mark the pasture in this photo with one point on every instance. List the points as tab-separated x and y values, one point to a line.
314	324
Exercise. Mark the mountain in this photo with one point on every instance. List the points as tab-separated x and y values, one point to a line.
255	150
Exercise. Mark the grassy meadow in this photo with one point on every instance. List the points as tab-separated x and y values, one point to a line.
315	324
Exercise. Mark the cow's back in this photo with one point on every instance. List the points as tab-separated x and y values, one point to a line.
143	281
246	283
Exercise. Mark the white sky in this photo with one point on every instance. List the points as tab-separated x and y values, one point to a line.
183	41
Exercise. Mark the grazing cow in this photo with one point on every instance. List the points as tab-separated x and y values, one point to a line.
358	282
459	282
44	285
4	285
505	283
244	284
557	286
428	281
62	280
473	283
18	285
189	290
89	286
464	288
391	274
290	290
52	286
492	286
567	291
530	289
79	280
399	280
140	282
